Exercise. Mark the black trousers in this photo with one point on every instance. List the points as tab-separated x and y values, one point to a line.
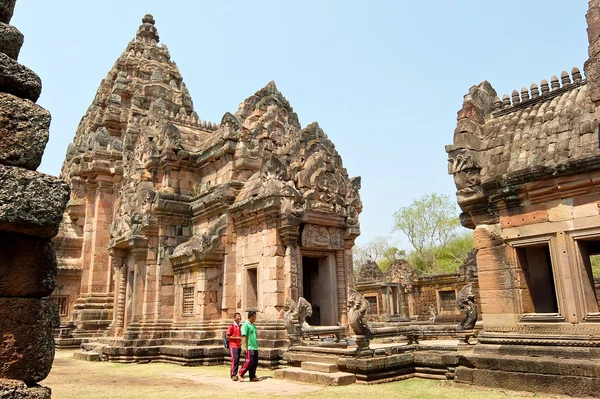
250	364
235	359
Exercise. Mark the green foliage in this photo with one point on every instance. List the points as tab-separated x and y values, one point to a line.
380	250
431	225
449	259
595	259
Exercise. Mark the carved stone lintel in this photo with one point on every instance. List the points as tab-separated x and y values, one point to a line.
322	237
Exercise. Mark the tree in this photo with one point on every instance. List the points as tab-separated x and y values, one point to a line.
431	224
379	250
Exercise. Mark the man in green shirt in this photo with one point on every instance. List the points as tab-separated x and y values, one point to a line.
249	348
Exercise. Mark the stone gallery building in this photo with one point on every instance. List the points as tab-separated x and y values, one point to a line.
399	294
527	171
175	223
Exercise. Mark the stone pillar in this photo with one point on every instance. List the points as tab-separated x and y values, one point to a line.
342	286
139	281
290	273
498	293
99	271
230	294
88	242
120	277
32	208
292	260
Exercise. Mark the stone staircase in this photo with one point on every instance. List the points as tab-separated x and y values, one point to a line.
316	373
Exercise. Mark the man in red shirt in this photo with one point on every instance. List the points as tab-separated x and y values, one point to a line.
234	336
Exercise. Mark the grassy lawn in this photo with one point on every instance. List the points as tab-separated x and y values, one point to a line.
72	379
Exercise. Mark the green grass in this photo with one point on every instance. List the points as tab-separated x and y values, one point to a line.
70	379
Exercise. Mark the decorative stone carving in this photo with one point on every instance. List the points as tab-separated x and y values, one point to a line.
357	310
290	316
322	237
432	313
304	310
369	272
465	302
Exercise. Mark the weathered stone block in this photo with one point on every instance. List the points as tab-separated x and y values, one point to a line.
486	237
7	7
14	389
27	347
19	80
560	210
27	266
30	202
11	40
523	216
23	132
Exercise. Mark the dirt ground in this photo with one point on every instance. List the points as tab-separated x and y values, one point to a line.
71	378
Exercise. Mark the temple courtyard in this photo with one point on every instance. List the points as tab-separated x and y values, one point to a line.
71	378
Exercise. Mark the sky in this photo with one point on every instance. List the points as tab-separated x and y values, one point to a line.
383	78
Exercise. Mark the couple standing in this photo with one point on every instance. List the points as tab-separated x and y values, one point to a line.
243	338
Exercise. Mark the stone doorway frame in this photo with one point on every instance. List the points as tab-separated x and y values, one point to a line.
329	258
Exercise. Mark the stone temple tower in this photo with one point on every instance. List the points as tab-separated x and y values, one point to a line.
175	223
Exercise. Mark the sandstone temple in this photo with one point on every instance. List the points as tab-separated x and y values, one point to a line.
175	223
527	168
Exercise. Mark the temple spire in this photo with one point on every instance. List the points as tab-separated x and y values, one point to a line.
147	32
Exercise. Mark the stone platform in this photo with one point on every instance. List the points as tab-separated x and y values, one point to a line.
435	359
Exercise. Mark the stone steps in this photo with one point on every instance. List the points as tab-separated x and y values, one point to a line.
320	367
315	377
89	356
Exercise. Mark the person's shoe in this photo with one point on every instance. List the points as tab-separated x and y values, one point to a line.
234	377
241	379
255	379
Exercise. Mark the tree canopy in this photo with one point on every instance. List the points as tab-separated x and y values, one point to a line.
432	227
380	250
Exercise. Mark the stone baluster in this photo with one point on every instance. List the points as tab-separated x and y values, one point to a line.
545	87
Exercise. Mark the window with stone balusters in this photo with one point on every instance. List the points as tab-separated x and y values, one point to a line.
188	301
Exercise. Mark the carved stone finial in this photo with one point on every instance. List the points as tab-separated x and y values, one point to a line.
497	103
147	32
554	83
565	78
576	75
535	91
515	97
545	87
524	94
505	101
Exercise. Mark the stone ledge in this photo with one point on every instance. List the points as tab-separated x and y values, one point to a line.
11	40
23	131
19	80
31	202
321	367
315	377
15	389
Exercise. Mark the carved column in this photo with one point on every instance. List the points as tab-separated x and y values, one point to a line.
229	298
99	271
139	256
88	230
120	316
342	291
291	273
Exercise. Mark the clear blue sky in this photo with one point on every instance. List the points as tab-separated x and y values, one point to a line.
384	79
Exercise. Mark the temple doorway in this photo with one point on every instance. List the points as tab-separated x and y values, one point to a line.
319	288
